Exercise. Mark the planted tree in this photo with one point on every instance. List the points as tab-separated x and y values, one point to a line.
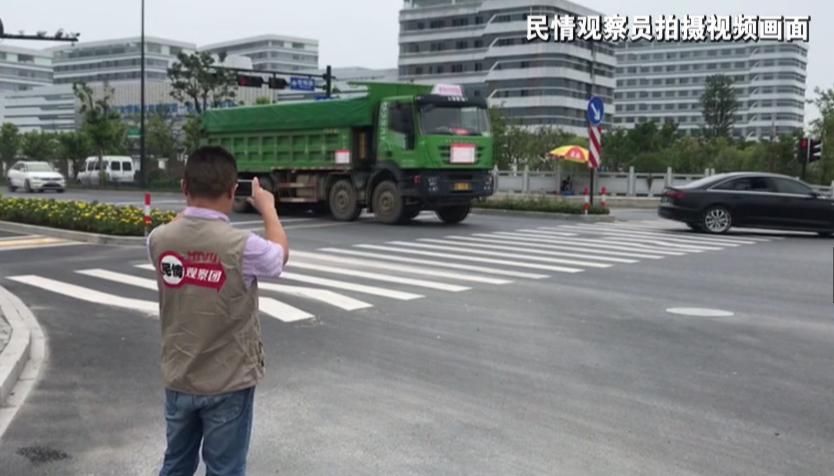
719	105
103	125
198	83
9	144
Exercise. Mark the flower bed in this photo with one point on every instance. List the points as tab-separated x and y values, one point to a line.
81	216
538	204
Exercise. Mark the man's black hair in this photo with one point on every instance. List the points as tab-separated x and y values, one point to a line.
211	172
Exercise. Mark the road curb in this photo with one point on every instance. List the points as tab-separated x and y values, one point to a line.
73	235
21	359
555	216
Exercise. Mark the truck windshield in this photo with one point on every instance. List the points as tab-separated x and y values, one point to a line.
39	167
465	121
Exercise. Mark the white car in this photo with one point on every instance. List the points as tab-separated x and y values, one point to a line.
35	177
117	169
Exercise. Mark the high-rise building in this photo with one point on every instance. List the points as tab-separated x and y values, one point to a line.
482	45
664	82
115	60
272	52
23	68
44	109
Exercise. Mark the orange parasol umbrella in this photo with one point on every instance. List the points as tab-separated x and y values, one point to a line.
571	153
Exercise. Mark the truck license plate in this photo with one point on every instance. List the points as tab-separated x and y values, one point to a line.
463	186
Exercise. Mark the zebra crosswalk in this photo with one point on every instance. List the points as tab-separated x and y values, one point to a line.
28	242
332	280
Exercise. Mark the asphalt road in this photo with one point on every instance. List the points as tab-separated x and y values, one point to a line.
564	365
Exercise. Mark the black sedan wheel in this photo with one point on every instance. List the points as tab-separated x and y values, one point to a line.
717	219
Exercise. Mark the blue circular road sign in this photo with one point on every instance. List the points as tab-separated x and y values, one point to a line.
596	110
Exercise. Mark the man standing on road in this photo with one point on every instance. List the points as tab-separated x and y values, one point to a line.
212	353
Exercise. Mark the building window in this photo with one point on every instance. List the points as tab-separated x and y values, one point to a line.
479	66
656	94
457	68
462	45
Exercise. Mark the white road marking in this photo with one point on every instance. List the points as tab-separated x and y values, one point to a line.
270	307
487	238
90	295
281	311
361	288
683	235
558	269
399	267
689	234
694	311
329	297
462	248
441	264
377	276
261	222
624	237
526	249
323	295
661	236
608	237
743	233
651	245
20	237
588	243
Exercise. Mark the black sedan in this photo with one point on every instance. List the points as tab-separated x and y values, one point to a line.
755	200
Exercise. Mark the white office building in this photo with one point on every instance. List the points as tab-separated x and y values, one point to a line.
482	45
43	109
272	52
23	68
664	82
115	60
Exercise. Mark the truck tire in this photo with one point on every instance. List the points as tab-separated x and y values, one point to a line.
343	201
453	214
12	188
388	203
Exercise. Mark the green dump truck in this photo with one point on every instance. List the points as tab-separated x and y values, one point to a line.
396	150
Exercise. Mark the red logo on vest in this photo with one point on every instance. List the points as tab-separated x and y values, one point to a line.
202	269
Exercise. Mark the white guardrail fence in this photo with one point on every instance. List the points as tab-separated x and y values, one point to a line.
624	184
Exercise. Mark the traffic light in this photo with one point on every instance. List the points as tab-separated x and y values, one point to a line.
816	150
277	83
250	81
809	150
802	149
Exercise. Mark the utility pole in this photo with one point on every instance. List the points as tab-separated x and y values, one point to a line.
329	80
142	165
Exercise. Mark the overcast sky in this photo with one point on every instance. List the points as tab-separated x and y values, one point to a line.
353	32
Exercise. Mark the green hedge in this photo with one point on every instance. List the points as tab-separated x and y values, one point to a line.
539	204
80	216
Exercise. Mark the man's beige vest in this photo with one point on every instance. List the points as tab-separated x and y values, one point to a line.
211	335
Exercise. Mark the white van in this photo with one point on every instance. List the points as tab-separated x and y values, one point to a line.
117	169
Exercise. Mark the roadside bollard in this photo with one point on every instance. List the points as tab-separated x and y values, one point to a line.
587	203
147	213
603	199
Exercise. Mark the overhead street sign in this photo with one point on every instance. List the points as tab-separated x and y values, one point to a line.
303	84
596	111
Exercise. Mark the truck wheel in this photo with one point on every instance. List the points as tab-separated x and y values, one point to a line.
12	188
343	201
455	214
388	204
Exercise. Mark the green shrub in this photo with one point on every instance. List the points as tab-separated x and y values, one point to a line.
539	204
80	216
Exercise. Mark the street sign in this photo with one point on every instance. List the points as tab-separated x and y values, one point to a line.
596	111
594	147
303	84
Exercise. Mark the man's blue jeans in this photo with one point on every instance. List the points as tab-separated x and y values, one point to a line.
223	423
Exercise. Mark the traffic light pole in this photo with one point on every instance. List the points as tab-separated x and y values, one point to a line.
327	76
806	157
